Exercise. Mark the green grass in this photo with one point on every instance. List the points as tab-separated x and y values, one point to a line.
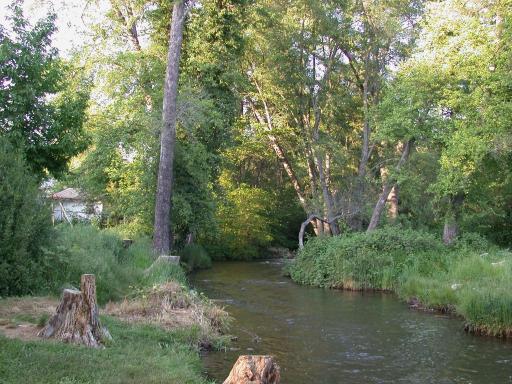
472	279
137	354
86	249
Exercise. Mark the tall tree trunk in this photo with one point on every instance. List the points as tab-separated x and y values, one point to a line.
365	150
279	151
451	227
162	230
333	225
392	200
389	184
393	204
356	222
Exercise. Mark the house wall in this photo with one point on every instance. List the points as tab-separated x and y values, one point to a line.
75	209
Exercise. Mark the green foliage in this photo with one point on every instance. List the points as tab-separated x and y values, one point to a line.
120	168
245	224
372	260
85	249
214	43
24	226
250	167
119	271
195	257
139	353
473	284
42	100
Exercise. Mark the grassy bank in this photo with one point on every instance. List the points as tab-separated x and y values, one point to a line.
157	322
472	278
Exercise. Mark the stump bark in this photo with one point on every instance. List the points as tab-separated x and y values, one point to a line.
77	319
254	369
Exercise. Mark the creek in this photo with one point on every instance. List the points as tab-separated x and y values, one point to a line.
330	337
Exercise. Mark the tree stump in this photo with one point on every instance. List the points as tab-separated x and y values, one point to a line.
76	319
253	369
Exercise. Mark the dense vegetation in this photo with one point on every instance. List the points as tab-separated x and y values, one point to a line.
384	127
382	112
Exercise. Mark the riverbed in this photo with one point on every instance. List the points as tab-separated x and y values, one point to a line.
331	337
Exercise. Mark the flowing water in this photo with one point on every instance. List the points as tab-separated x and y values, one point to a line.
330	337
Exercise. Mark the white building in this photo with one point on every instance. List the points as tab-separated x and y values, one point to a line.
70	204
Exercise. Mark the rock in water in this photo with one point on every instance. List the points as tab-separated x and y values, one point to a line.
76	319
253	369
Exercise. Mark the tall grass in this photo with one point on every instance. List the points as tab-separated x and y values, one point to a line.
86	249
471	278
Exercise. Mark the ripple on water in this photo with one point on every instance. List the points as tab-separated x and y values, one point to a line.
331	337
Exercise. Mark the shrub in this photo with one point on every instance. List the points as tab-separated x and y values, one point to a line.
195	257
162	273
361	261
86	249
24	225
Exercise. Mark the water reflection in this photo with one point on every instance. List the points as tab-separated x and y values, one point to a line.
324	336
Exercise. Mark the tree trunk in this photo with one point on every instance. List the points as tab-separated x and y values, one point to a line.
393	204
451	227
312	219
329	205
253	369
388	186
76	319
450	230
162	231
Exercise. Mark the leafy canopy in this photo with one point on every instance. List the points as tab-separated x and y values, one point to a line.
42	101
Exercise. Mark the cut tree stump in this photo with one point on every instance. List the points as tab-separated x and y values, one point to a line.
77	319
254	369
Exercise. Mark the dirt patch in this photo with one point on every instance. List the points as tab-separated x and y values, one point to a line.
25	331
34	307
20	317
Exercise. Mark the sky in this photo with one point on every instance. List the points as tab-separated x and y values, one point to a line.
72	19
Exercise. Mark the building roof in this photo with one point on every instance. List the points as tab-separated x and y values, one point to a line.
68	194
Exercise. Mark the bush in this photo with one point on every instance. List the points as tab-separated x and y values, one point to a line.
24	225
85	249
119	271
195	257
162	273
362	261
